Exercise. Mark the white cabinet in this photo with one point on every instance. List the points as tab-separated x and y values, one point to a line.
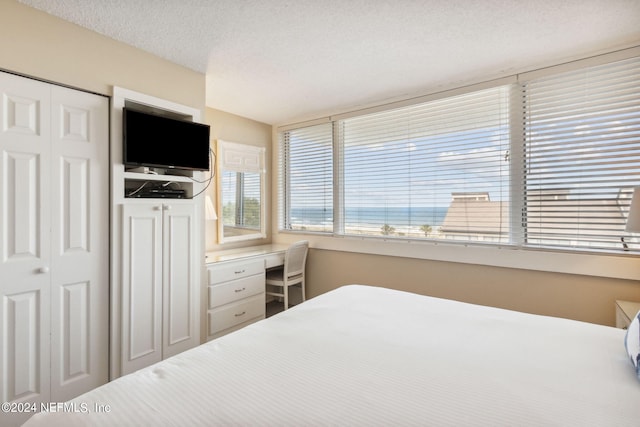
236	295
54	234
159	282
157	258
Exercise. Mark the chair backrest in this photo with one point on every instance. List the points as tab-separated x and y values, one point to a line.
295	259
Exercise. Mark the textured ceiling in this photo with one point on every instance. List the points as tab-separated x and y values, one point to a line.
280	61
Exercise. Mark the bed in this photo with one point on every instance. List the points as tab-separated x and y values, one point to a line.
363	355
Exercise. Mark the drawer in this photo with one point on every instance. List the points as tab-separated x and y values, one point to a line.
233	314
274	260
234	270
224	293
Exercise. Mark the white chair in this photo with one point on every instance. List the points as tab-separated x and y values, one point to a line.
292	273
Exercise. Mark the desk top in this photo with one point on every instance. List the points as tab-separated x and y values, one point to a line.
246	252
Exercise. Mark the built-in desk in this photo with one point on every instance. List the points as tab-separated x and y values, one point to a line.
236	286
272	254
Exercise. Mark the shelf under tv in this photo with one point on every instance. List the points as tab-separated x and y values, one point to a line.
156	177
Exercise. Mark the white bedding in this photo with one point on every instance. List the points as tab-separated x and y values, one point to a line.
370	356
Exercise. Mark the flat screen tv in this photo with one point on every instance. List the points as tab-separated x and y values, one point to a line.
157	141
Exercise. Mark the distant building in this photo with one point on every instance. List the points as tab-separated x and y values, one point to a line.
553	218
473	216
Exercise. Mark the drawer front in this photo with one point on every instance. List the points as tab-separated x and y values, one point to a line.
274	260
235	270
224	293
233	314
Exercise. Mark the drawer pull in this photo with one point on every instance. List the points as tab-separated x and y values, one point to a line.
240	314
239	290
239	272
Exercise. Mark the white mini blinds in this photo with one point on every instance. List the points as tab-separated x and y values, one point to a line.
305	189
582	142
437	169
545	160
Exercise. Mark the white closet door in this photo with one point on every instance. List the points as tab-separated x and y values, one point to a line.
180	320
53	242
25	262
141	286
79	243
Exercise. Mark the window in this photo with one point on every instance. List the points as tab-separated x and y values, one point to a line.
582	142
438	169
543	161
306	184
241	190
241	200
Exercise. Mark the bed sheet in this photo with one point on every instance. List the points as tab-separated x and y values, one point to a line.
362	355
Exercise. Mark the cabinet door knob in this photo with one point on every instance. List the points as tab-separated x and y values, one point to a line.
157	208
43	270
167	207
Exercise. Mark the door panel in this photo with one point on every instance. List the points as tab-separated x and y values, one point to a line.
22	351
53	242
141	286
21	203
76	347
76	204
80	242
25	258
181	321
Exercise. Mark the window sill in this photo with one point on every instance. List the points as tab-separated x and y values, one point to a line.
617	266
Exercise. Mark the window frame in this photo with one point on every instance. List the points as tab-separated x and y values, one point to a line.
517	254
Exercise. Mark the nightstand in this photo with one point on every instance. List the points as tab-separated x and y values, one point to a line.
625	312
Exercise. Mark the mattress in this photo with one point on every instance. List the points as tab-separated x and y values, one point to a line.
362	355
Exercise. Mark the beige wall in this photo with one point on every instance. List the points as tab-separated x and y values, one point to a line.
36	44
232	128
585	298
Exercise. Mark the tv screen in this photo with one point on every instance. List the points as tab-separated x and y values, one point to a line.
157	141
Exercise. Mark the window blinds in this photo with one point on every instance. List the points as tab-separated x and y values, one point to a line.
582	153
241	199
438	169
306	181
549	161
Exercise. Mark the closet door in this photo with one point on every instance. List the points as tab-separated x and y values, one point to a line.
141	285
25	260
180	311
79	242
54	258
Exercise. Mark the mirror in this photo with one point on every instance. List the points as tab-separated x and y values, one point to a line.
240	192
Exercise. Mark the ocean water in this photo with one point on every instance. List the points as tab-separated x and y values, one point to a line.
373	216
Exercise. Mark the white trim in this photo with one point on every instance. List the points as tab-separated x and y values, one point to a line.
587	264
516	165
120	97
304	124
240	157
426	98
581	63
